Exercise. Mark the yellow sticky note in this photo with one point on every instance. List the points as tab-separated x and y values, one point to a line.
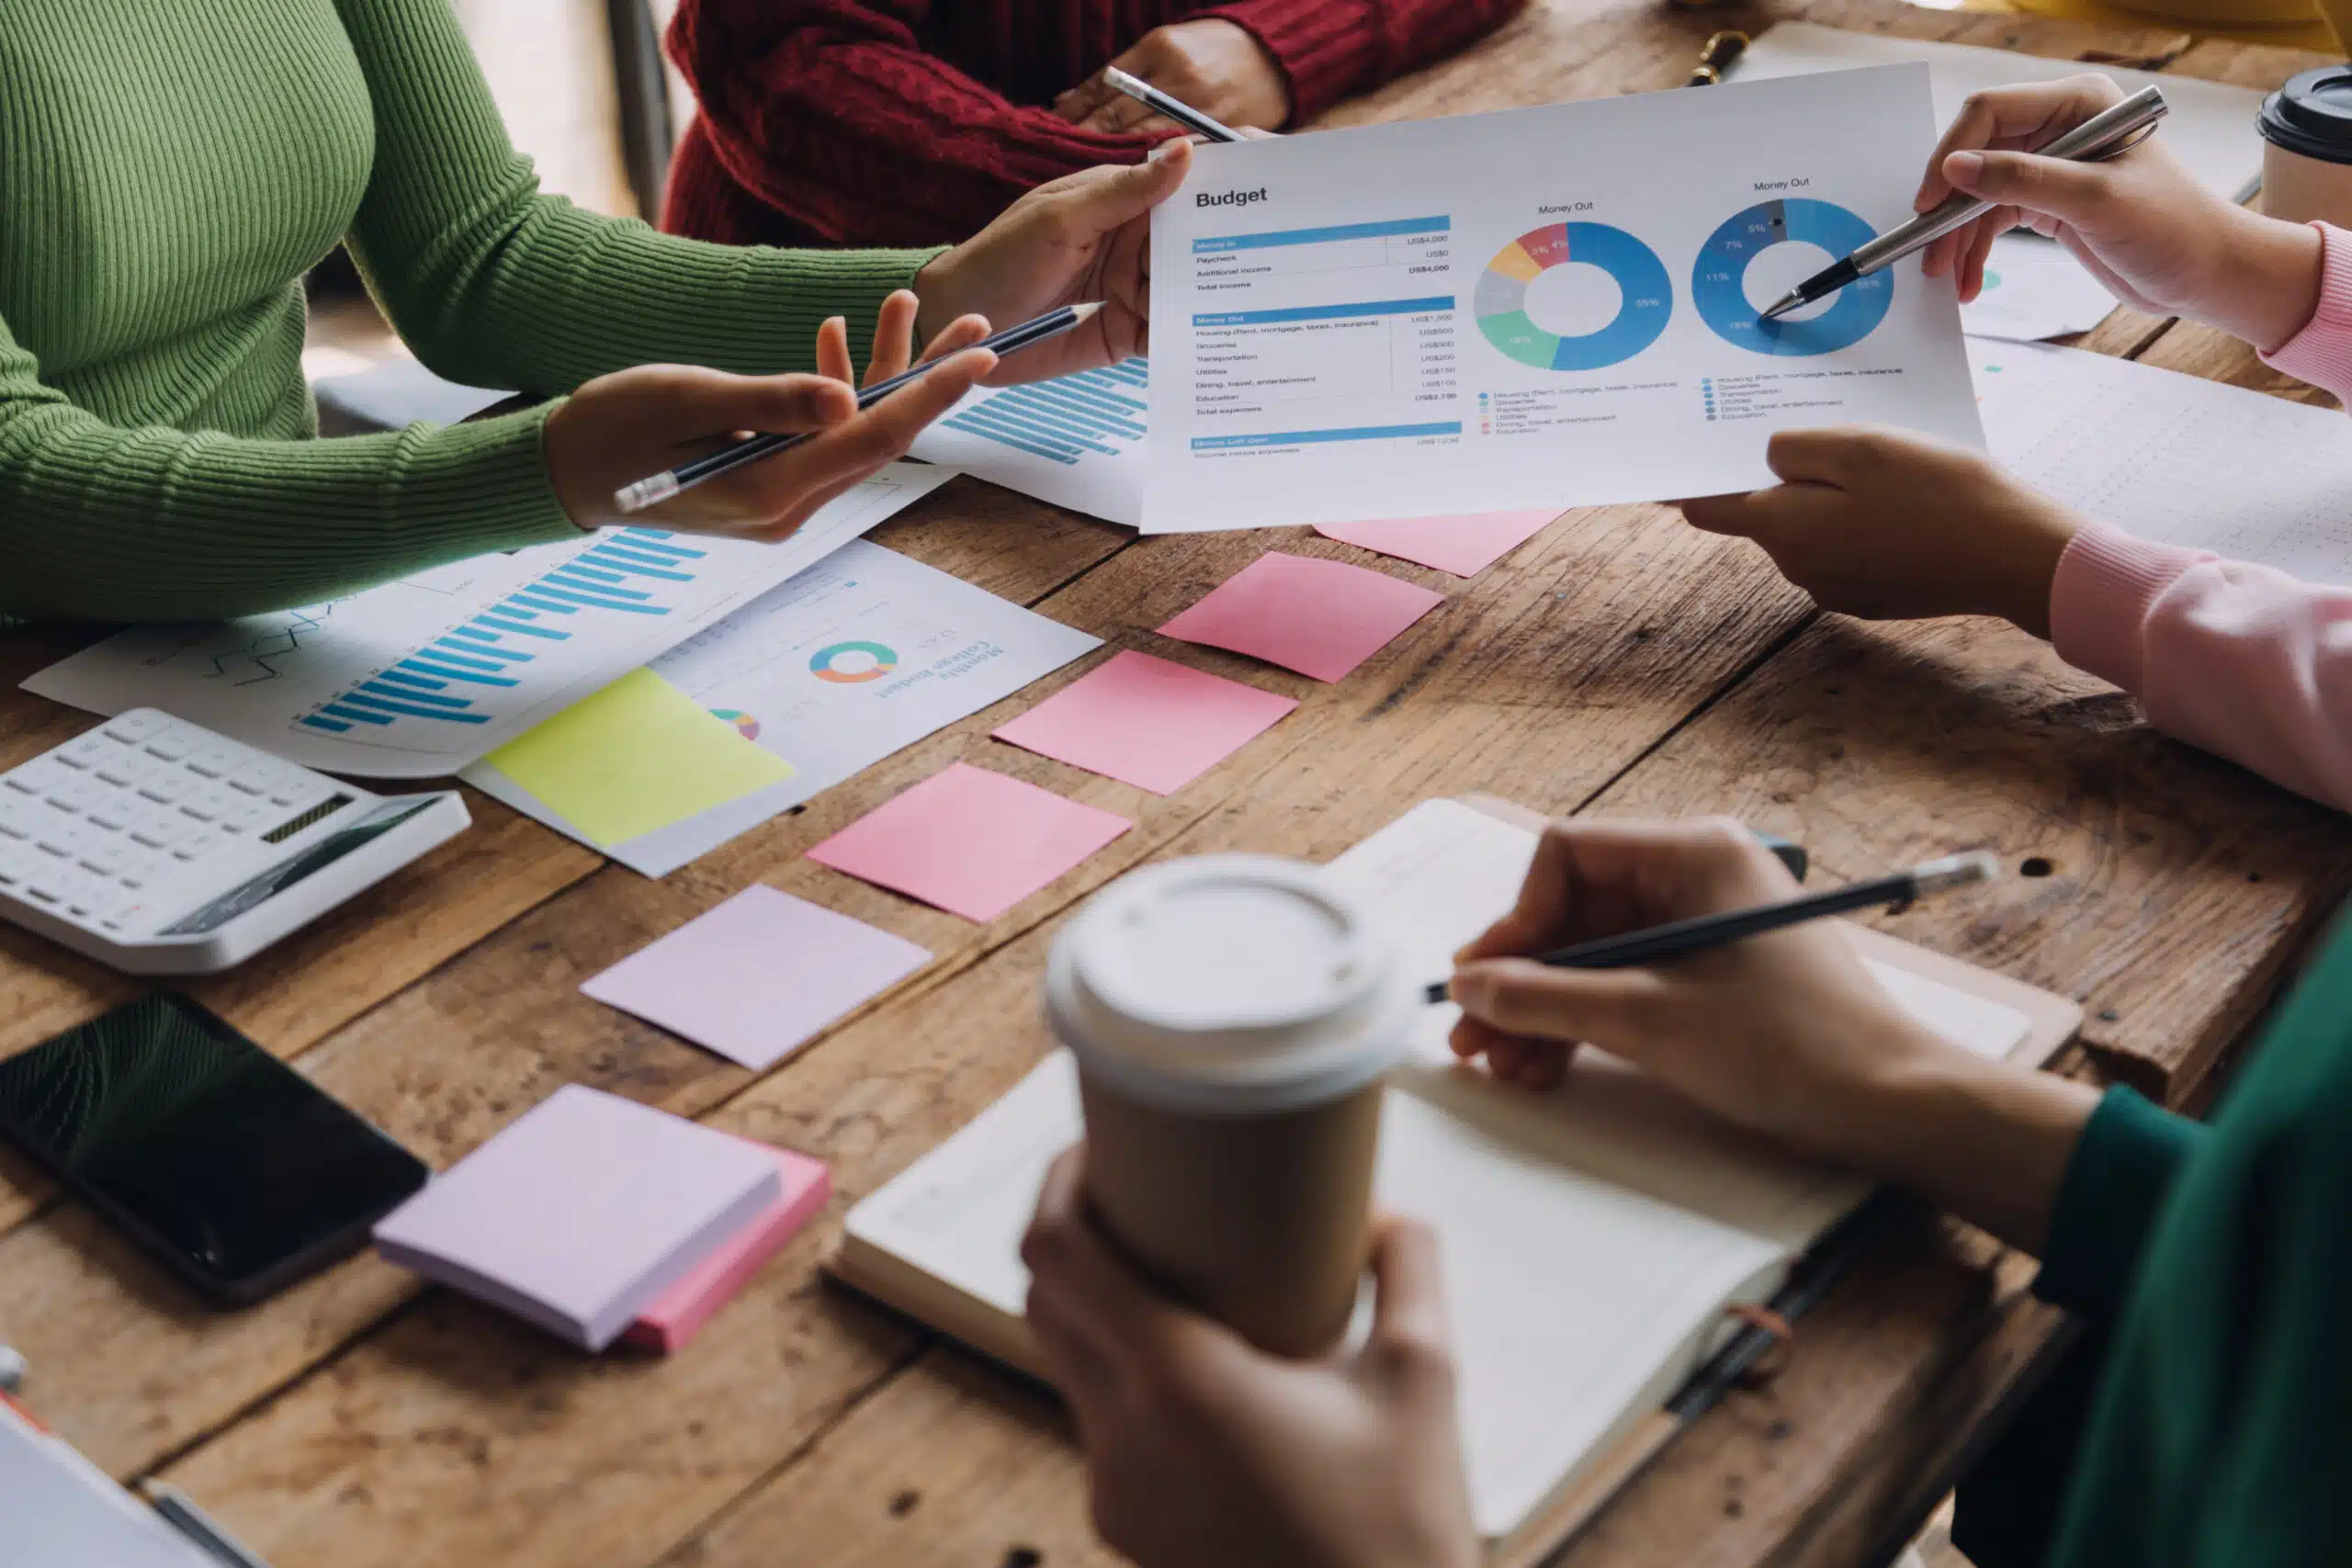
638	755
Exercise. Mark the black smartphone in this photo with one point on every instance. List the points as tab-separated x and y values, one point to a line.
212	1153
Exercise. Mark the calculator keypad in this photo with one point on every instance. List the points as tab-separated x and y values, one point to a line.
91	830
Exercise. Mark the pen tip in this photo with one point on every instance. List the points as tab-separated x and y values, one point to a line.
1957	871
1087	312
1438	991
1783	305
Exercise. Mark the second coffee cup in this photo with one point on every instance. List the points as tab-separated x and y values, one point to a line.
1234	1019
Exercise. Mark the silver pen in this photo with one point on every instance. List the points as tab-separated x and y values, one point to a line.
1176	109
2103	136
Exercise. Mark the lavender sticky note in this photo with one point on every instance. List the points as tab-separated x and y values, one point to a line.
1146	721
582	1213
757	977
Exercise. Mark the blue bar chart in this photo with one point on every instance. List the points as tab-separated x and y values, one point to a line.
1095	412
451	679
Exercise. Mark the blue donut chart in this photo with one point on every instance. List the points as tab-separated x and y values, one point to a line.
1646	297
1718	283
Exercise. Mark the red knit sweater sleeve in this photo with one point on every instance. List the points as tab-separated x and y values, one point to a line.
1332	49
832	111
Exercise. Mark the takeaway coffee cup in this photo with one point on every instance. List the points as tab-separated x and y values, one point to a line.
1234	1018
2307	147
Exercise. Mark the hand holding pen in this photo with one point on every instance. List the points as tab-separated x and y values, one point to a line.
2109	133
2141	224
619	429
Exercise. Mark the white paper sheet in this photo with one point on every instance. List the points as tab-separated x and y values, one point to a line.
1546	307
418	677
1076	441
2173	457
2210	127
2034	289
859	656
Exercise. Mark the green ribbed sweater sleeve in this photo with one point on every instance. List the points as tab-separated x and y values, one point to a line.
203	510
494	285
102	523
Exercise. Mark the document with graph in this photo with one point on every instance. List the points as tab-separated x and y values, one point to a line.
417	678
1076	441
1541	308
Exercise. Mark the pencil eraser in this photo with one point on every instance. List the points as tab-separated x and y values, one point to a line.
666	1324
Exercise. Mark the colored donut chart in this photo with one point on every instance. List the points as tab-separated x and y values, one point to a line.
1645	303
745	724
1718	285
851	662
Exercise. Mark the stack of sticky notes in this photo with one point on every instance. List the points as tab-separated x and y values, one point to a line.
593	1216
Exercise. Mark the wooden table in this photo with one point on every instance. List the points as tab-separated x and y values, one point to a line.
1619	663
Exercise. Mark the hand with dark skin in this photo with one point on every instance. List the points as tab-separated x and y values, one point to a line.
621	428
1212	66
1082	238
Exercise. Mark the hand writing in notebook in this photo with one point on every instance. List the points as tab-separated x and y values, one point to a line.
1785	1033
1204	1450
1204	1453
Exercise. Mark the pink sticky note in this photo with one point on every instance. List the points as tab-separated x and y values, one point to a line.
1463	546
1319	618
678	1313
1146	721
758	975
973	842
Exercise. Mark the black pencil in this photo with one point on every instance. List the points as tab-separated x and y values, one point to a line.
1677	939
653	490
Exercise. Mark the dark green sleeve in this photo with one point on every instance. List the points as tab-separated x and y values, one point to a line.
103	523
496	285
2221	1436
2115	1185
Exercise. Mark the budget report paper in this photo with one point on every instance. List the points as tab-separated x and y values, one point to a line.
1544	306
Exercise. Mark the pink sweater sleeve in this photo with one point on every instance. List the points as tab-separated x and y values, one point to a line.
2322	353
2243	661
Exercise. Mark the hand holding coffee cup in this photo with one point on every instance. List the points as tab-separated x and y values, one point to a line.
2139	222
1234	1019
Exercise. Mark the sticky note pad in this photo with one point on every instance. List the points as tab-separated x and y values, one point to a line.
678	1313
1146	721
758	975
1463	546
1319	618
972	842
638	755
578	1216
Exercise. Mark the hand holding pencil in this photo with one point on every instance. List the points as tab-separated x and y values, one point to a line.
1780	1032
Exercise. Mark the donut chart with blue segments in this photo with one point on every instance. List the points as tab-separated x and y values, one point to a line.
1718	285
1646	297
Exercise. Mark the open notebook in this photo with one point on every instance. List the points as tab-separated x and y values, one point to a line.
1592	1237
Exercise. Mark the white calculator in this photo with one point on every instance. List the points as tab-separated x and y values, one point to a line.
160	848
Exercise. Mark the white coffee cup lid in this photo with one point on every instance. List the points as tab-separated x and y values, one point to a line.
1229	983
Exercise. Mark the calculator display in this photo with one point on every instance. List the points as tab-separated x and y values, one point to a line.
231	1165
296	868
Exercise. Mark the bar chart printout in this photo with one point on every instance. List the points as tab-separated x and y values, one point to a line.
1076	441
1536	308
419	677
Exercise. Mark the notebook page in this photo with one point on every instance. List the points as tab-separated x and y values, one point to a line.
2173	457
1578	1305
